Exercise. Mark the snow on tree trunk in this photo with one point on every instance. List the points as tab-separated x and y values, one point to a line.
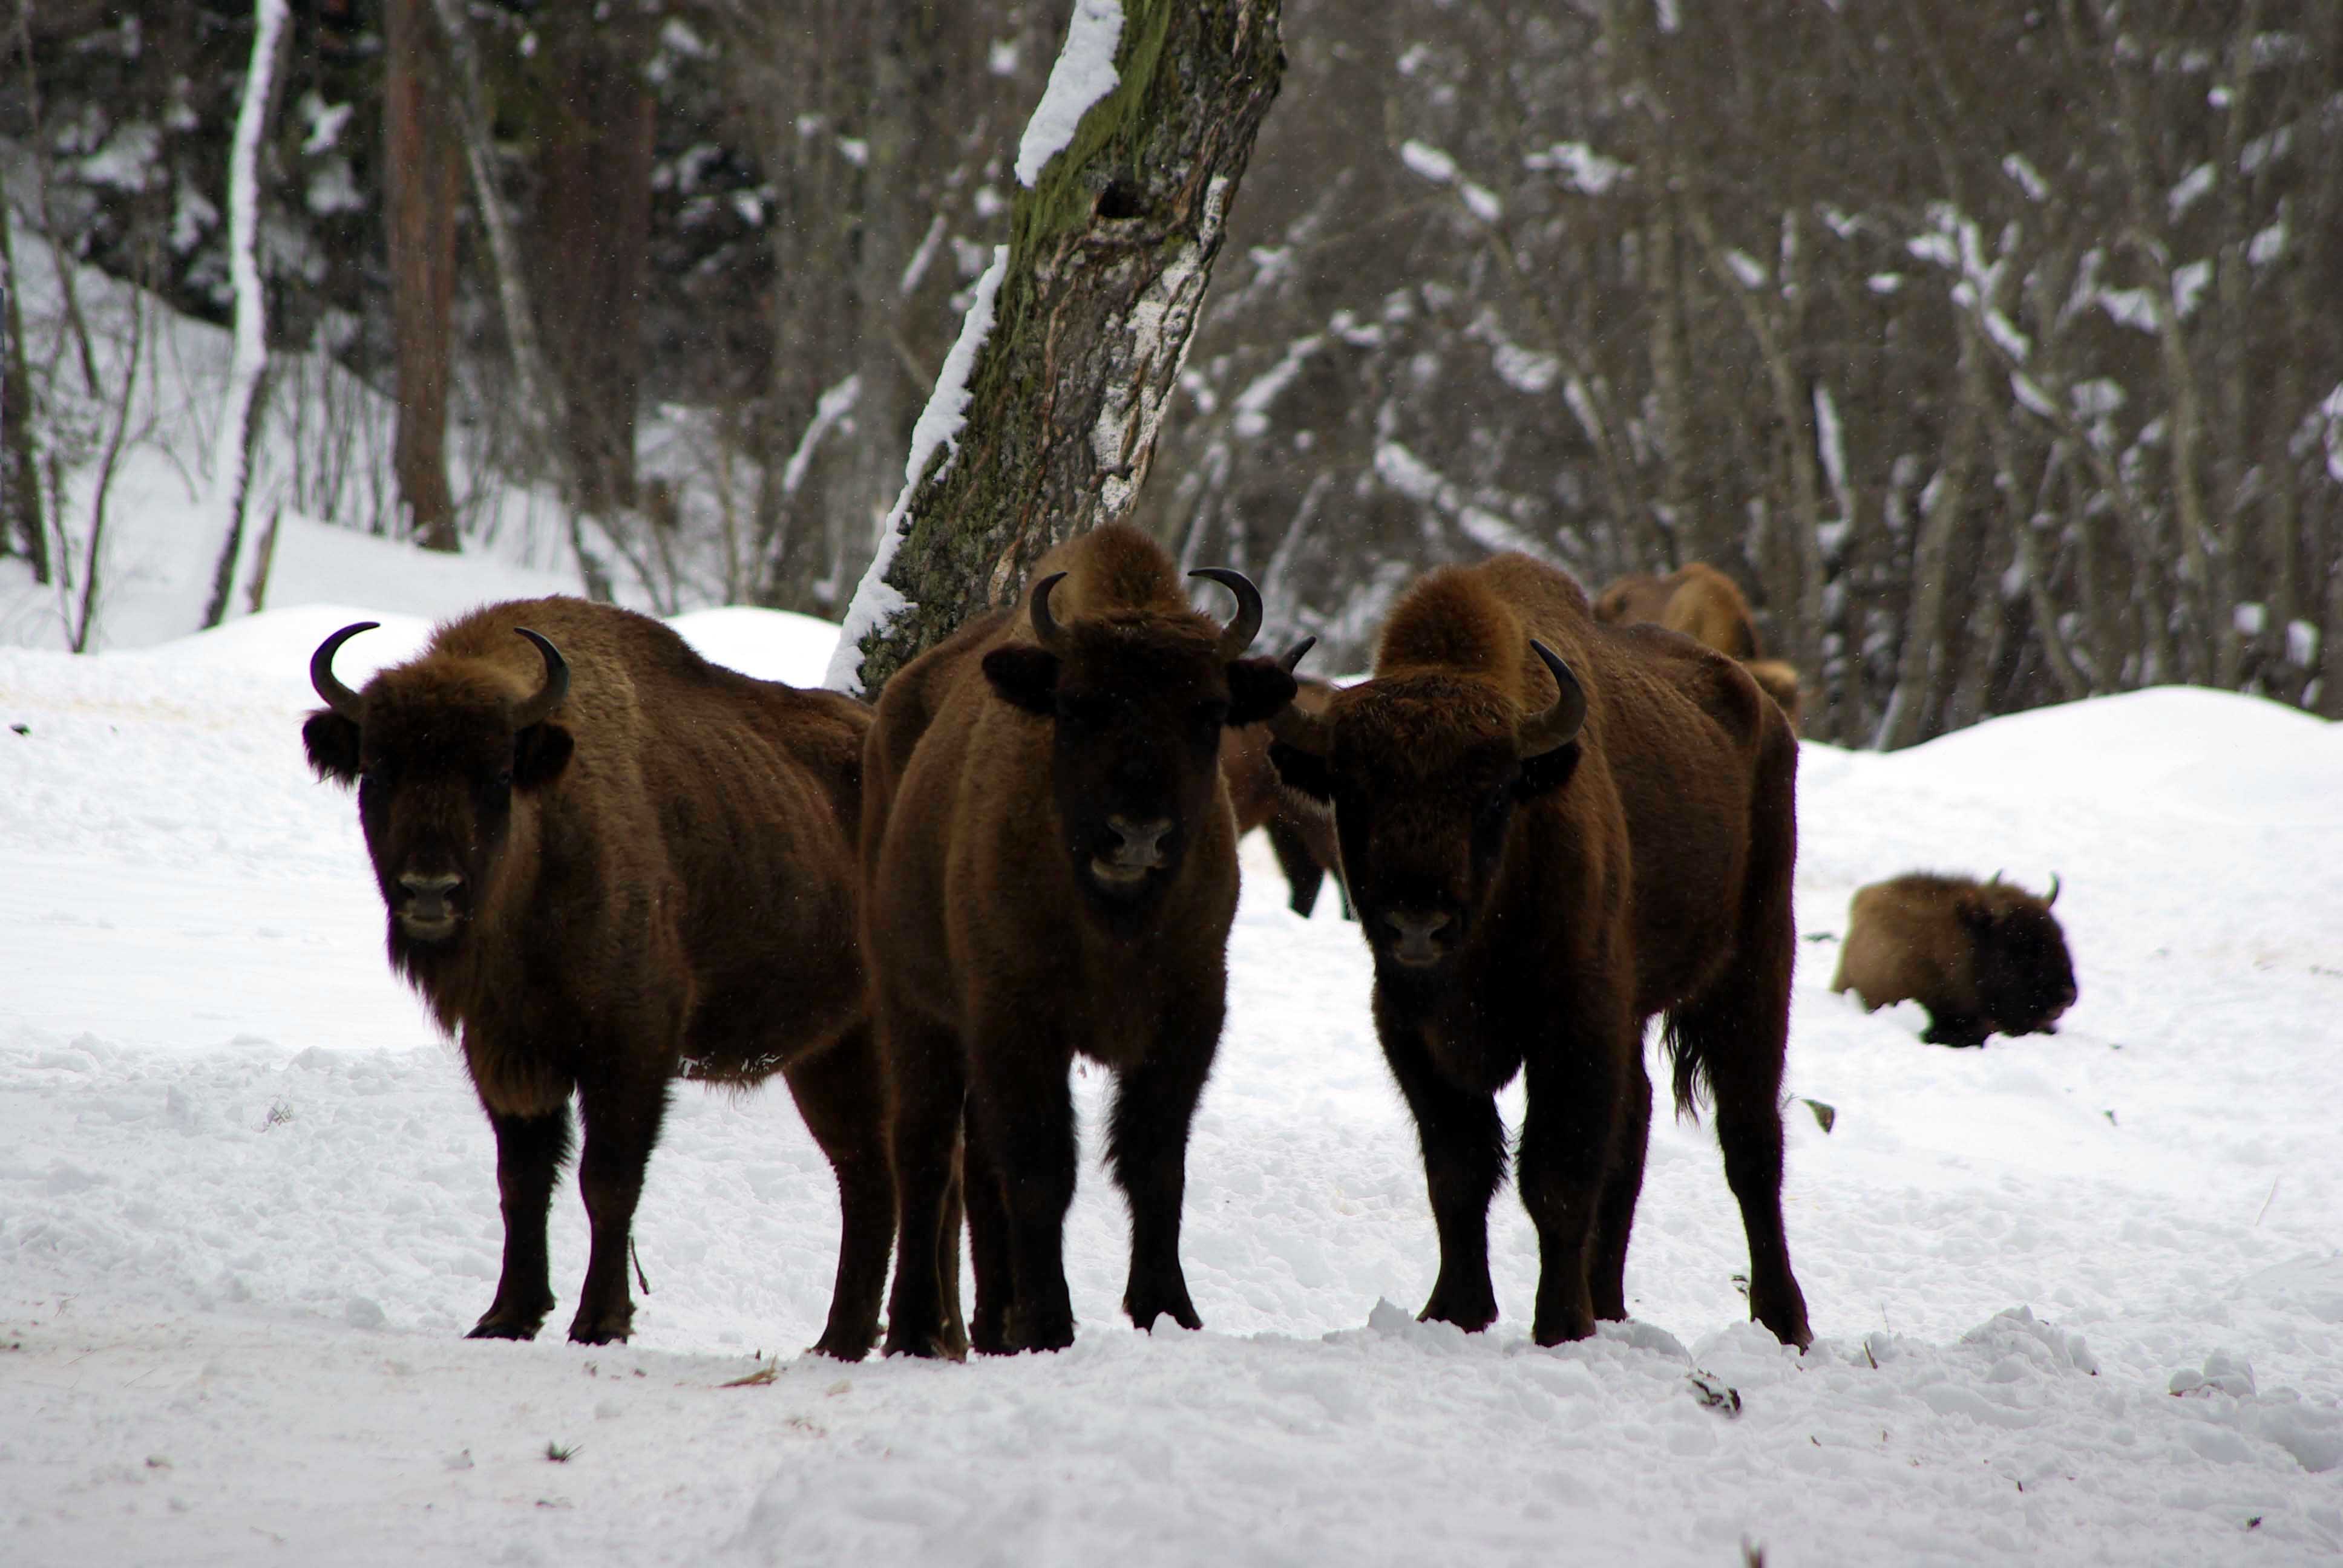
231	475
1044	420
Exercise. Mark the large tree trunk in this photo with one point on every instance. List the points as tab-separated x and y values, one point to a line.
1091	310
22	529
240	424
592	234
422	189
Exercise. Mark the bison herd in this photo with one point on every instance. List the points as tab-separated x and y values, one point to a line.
606	863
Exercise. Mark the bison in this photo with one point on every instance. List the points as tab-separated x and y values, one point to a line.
1302	840
1984	958
1554	830
1706	606
1052	861
604	861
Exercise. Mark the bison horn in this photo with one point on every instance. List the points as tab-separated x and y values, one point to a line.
338	697
1046	630
537	709
1244	626
2054	891
1558	724
1294	655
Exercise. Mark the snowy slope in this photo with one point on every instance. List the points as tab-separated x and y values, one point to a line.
247	1206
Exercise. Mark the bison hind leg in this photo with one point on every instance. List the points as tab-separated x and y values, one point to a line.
838	1092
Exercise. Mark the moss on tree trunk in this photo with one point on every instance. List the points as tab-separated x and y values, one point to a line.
1110	254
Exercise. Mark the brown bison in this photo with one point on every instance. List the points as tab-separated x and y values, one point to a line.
1303	840
1707	607
1052	871
607	861
1554	830
1984	958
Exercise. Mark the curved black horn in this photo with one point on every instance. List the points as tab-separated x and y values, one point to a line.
1244	626
2054	891
1558	724
1046	630
338	697
537	709
1294	655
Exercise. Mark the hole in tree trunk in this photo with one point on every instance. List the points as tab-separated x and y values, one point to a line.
1118	200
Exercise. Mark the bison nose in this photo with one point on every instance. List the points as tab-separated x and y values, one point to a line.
1422	938
1142	842
426	896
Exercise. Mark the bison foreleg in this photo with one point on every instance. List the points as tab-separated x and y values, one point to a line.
1018	1093
1569	1136
1147	1145
1463	1145
838	1092
1607	1276
926	1075
1954	1030
990	1326
530	1151
622	1111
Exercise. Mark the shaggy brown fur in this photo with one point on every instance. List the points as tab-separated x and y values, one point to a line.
1303	840
658	877
1984	958
1533	895
1052	865
1707	607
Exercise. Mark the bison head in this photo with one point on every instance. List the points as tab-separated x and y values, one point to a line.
2024	976
1423	773
438	749
1137	702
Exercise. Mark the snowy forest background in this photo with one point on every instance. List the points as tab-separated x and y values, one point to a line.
1992	347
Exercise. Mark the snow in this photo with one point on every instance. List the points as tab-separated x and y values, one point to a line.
876	600
1083	74
2078	1298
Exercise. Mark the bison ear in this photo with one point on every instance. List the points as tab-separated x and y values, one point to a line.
1547	771
1258	688
539	754
332	742
1303	772
1024	676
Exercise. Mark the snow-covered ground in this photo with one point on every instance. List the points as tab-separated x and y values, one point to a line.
2079	1298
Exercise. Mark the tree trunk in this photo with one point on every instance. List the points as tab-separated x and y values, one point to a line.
1095	301
421	191
240	425
22	528
592	251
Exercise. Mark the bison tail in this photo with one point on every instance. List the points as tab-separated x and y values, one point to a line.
1689	1063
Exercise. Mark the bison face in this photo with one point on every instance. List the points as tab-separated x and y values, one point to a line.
1137	705
438	754
2024	976
1423	775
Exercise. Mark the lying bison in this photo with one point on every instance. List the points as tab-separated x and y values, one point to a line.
1984	958
1554	830
607	861
1303	840
1706	606
1054	873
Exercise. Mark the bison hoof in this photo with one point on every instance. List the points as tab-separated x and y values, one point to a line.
1571	1327
1050	1331
1472	1316
1180	1311
844	1347
484	1329
582	1332
989	1335
929	1345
